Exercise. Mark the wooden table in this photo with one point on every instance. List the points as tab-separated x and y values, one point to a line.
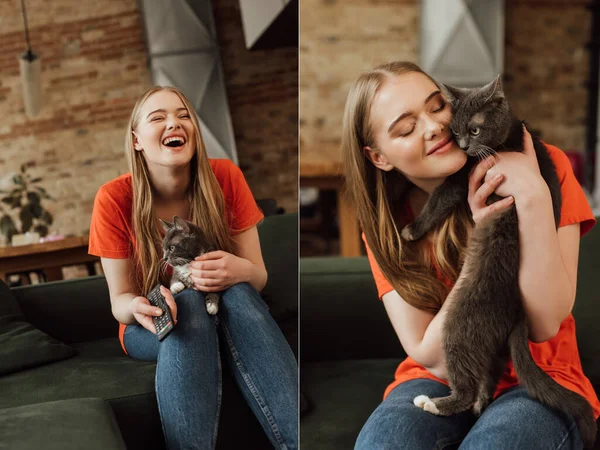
47	256
322	168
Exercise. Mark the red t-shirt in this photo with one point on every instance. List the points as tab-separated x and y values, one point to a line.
111	229
558	357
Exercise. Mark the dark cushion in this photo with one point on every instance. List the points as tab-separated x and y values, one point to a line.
279	244
67	424
23	346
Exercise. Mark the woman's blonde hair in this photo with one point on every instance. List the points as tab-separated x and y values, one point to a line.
207	205
378	197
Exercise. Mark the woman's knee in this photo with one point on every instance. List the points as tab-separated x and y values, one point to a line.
191	310
243	298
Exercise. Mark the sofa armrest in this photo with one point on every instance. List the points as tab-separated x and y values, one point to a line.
340	314
70	311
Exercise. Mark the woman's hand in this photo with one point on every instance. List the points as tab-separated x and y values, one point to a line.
217	271
143	311
513	175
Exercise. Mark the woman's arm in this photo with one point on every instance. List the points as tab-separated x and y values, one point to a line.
548	265
420	332
216	271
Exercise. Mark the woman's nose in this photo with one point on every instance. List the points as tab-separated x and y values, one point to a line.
173	124
432	128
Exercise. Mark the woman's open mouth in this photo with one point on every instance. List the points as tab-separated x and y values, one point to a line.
174	142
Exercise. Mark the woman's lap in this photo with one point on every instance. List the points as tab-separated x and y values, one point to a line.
513	420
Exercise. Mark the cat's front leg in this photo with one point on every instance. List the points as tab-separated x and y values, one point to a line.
212	302
177	287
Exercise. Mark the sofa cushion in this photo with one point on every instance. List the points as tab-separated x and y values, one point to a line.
91	425
22	345
279	245
343	394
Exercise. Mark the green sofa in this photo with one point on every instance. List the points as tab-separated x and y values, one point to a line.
101	398
349	350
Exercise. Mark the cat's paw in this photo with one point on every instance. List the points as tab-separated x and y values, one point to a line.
407	234
212	304
424	402
177	287
480	406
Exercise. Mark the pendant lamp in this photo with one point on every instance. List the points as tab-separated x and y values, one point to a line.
29	64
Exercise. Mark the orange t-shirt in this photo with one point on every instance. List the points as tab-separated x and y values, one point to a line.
111	229
558	357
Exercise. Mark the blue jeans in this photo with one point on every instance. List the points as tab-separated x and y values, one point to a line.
188	371
511	421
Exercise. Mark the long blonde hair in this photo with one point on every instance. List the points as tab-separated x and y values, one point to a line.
378	197
207	205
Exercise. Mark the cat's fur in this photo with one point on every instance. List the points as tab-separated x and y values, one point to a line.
182	243
487	323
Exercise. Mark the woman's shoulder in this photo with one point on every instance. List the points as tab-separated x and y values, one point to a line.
118	189
226	172
560	159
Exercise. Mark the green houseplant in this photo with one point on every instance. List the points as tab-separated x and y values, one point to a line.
25	201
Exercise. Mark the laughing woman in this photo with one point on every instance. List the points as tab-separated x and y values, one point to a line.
171	175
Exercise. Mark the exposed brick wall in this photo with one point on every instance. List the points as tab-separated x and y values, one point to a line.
94	62
546	62
262	89
94	66
547	67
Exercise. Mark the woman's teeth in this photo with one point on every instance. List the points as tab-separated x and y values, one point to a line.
173	142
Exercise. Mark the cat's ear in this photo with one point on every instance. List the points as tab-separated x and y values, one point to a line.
166	225
452	93
181	224
492	90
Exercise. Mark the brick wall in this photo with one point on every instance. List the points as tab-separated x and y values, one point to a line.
262	88
93	61
546	62
94	66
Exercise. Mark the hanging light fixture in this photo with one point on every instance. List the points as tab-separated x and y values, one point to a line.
29	63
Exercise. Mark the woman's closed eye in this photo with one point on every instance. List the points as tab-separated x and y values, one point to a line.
440	107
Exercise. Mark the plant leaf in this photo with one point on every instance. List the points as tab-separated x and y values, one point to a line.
23	167
33	197
26	217
7	225
42	229
18	179
41	189
47	218
7	200
36	180
36	210
16	202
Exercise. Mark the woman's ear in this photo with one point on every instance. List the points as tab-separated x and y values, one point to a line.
378	159
136	142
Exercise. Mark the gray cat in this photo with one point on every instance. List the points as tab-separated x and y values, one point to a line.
487	323
182	243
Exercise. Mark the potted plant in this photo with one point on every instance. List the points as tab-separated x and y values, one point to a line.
25	198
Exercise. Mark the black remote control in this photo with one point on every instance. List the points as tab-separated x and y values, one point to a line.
164	323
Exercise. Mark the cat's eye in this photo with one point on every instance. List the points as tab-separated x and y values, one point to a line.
453	132
172	247
475	131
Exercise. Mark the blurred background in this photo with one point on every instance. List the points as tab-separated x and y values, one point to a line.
545	50
65	105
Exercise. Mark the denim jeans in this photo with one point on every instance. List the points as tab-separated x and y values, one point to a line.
188	371
511	421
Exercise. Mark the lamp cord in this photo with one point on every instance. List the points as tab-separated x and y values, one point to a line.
30	56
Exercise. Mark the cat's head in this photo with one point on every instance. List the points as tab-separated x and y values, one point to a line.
183	242
481	117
